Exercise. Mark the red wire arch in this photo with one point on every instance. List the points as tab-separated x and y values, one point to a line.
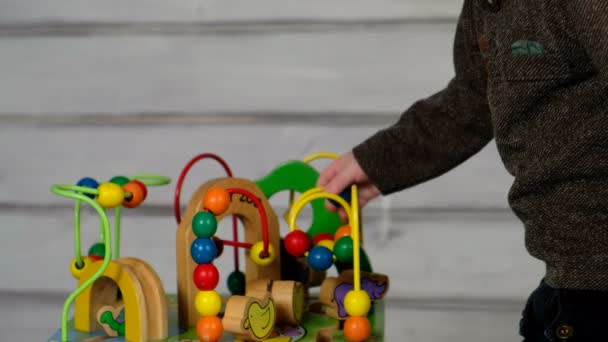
178	191
182	177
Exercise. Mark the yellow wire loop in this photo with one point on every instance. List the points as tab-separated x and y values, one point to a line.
320	155
352	212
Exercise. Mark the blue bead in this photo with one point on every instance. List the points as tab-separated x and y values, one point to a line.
346	195
89	183
320	258
203	251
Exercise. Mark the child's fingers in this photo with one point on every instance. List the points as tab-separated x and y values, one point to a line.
329	173
340	182
367	192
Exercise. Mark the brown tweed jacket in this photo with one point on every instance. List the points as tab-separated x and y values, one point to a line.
533	75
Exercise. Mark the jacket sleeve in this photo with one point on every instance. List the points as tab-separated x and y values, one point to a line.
589	19
437	133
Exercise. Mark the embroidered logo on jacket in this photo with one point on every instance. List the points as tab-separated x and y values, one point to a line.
527	47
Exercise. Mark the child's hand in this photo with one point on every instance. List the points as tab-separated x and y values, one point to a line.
343	173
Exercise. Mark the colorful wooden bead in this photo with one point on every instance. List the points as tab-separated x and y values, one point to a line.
329	244
206	277
94	257
216	200
138	194
297	243
88	182
357	303
342	232
98	249
322	236
236	283
209	329
203	251
343	249
208	303
76	269
110	195
320	258
357	329
257	254
120	180
143	186
204	224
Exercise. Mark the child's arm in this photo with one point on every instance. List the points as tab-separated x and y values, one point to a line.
437	133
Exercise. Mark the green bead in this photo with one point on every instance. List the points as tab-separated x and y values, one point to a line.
204	224
236	283
343	249
120	180
98	249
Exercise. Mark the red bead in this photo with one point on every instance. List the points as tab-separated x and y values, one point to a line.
206	277
297	243
321	237
95	257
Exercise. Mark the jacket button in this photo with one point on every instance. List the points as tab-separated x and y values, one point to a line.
564	332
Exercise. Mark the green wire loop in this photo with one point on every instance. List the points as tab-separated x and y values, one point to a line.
117	216
151	179
67	191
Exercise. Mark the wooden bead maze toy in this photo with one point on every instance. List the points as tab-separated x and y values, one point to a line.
122	299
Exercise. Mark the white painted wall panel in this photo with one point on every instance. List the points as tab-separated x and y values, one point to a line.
224	10
381	70
33	158
467	257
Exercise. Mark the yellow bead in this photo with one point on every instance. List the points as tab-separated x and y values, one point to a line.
77	271
257	249
208	303
357	303
110	195
329	244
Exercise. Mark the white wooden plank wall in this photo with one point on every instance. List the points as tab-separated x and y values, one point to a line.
96	88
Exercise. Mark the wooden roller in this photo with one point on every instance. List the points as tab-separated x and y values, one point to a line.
289	297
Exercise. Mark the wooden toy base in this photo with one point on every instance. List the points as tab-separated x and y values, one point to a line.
311	324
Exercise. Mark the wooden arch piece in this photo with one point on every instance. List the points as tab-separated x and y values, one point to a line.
143	297
186	289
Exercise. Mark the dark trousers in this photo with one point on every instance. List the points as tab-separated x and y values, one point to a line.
565	315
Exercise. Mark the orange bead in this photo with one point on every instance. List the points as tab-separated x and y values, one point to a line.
342	232
138	194
216	200
209	329
357	328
